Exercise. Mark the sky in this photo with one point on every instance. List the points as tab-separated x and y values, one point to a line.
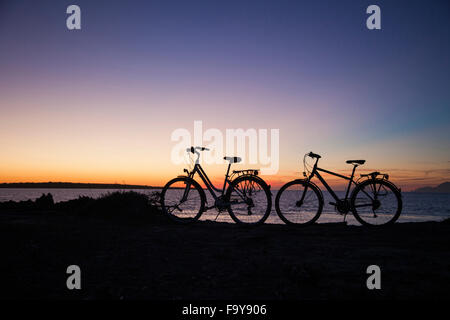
99	104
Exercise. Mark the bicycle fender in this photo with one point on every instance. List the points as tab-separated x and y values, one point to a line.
254	176
384	180
314	185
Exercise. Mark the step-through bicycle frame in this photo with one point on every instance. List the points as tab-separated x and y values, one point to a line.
209	185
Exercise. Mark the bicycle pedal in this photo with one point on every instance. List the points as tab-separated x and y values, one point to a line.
332	203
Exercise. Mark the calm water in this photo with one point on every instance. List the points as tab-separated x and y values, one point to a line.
416	206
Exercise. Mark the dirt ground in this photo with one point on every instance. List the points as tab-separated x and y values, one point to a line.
138	259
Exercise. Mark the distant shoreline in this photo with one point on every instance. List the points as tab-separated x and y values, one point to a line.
71	185
442	188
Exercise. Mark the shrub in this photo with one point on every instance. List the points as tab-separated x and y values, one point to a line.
127	204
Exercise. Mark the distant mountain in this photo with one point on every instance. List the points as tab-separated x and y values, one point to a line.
71	185
442	188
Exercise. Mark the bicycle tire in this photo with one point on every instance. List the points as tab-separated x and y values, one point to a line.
381	182
164	200
279	199
249	179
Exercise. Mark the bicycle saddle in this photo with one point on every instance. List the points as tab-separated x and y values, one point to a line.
232	159
356	161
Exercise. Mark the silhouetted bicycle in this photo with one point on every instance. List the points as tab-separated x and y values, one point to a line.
247	199
373	201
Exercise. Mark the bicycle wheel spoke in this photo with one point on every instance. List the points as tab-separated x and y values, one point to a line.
363	205
308	197
379	188
240	193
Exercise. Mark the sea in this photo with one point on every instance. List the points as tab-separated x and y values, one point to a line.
416	206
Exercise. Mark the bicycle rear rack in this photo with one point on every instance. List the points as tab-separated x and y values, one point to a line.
374	175
238	173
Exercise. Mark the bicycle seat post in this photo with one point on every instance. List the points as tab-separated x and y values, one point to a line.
226	176
355	165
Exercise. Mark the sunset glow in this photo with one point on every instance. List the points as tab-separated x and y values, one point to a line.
99	104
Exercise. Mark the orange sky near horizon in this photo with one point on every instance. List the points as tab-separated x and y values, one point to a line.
407	179
134	162
99	105
86	142
114	139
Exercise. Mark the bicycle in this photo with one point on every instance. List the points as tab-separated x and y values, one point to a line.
374	200
247	199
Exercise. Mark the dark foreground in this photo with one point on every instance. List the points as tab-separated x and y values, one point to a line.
139	259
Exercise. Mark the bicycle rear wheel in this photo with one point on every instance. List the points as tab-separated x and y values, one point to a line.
183	200
250	200
376	202
299	203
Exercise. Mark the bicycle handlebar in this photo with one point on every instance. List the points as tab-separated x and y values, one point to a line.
314	155
193	149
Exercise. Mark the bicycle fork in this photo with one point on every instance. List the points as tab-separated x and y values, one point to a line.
186	192
299	203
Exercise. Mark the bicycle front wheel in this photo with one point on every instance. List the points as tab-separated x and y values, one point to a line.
183	200
376	202
299	203
249	200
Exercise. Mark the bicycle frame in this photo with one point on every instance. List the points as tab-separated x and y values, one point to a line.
243	193
315	172
209	185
